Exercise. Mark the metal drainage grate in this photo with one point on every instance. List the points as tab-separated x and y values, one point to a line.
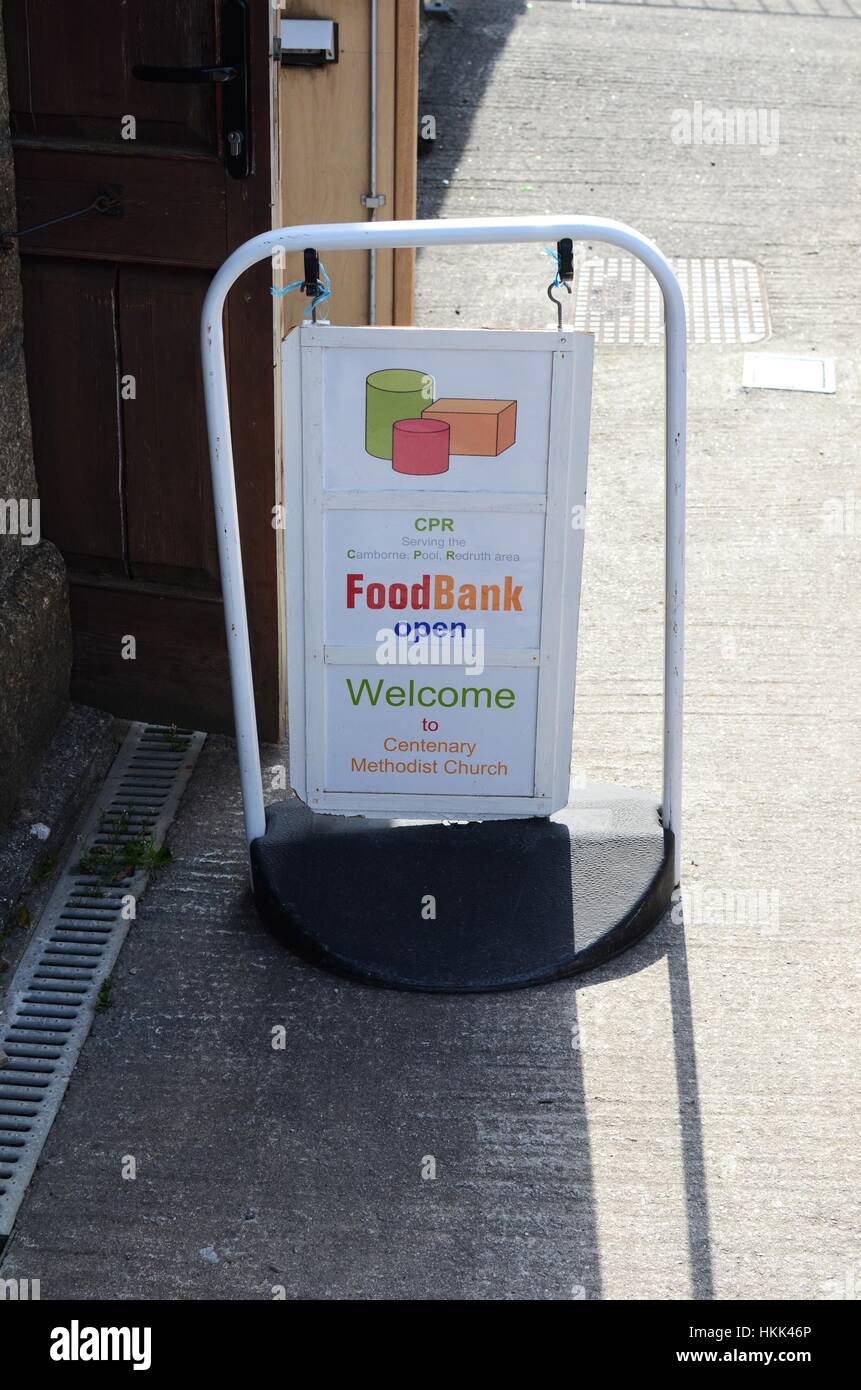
76	943
617	299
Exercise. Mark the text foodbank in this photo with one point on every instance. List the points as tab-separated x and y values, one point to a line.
436	593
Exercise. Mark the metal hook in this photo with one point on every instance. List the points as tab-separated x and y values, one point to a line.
558	302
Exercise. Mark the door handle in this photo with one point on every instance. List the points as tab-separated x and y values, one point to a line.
145	72
233	72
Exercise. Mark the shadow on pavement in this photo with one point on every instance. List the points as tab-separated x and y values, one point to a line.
457	62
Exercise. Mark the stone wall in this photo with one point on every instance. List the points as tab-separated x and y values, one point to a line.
35	635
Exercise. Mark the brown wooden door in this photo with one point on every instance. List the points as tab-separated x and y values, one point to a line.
122	464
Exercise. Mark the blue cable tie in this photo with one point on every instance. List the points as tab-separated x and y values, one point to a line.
325	292
548	251
297	284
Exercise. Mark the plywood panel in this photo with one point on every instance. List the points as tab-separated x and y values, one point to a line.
325	150
405	139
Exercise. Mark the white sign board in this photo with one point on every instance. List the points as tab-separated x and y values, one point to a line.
435	486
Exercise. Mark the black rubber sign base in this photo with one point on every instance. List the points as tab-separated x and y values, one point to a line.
465	907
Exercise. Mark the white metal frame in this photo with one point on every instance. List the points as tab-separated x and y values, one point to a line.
367	236
310	499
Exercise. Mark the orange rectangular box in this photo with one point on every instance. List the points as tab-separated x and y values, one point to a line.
477	427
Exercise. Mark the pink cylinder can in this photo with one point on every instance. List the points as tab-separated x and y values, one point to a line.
420	447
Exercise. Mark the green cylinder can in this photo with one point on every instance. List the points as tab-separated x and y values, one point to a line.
395	393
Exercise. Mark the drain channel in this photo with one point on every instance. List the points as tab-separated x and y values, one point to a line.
76	943
617	299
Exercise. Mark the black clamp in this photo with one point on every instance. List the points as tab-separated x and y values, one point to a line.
564	275
565	254
311	285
